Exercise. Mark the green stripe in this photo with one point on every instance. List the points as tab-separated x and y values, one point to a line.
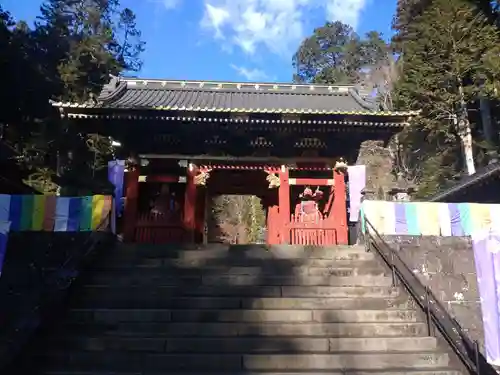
86	214
26	212
363	224
38	212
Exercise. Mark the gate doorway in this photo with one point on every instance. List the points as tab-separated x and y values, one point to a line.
236	219
236	205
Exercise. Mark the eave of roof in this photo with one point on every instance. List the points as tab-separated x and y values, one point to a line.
238	120
231	97
483	174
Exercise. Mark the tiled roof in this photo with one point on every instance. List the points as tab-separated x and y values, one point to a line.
481	175
196	96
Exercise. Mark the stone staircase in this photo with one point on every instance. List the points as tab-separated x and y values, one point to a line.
242	310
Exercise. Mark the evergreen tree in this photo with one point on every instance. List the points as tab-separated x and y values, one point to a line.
91	39
450	57
334	53
68	56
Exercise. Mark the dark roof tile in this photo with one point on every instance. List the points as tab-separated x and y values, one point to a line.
127	93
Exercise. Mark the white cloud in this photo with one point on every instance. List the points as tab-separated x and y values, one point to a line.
348	11
167	4
277	25
171	4
251	74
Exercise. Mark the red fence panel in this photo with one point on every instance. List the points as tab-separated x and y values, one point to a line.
311	233
158	229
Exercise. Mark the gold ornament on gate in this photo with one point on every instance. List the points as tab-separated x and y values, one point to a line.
273	179
201	178
340	165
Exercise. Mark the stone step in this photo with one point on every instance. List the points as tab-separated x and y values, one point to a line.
246	251
350	372
302	316
146	279
201	329
368	268
223	256
375	361
400	303
246	345
143	296
365	260
261	303
129	361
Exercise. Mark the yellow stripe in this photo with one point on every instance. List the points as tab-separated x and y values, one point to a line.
373	211
428	218
38	212
97	210
480	216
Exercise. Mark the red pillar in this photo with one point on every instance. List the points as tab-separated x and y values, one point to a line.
130	211
273	225
340	208
190	206
284	205
200	211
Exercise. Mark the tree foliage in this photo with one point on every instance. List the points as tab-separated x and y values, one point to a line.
240	218
449	58
68	55
334	53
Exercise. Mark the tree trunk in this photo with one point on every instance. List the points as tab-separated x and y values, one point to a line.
465	132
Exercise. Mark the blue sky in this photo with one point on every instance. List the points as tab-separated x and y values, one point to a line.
232	40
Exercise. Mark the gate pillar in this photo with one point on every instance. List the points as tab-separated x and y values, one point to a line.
189	217
284	204
340	206
131	196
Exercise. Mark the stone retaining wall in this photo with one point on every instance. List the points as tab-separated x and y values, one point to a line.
446	265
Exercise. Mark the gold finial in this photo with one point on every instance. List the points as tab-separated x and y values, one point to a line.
341	165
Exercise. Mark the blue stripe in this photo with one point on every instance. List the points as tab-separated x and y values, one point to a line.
3	249
75	206
4	207
16	208
61	214
455	219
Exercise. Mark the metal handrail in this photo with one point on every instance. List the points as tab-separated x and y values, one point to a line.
55	284
437	316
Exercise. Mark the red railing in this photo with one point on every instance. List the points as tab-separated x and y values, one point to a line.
318	232
159	229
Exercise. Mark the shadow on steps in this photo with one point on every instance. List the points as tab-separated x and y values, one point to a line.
237	310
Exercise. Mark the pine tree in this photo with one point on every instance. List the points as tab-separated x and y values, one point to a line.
450	57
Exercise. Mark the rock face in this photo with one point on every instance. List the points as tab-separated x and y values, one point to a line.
379	167
239	310
446	265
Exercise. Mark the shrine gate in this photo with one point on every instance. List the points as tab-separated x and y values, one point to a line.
187	141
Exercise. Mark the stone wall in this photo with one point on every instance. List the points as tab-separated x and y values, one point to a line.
446	265
379	167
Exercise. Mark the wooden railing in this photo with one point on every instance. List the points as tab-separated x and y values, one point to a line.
159	229
319	232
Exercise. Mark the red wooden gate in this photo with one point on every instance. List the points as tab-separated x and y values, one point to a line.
319	232
159	229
